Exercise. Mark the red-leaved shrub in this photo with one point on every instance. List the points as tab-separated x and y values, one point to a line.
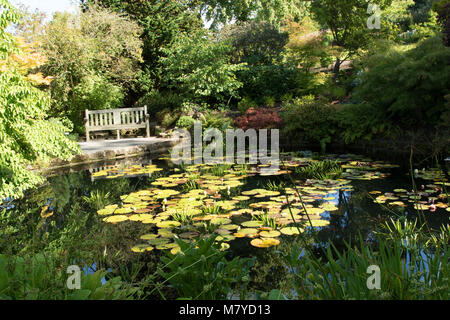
259	118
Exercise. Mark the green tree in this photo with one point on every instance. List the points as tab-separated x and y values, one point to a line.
26	133
198	67
162	23
400	89
255	43
347	22
221	12
93	54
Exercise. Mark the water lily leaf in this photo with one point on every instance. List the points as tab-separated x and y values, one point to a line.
166	246
264	243
123	210
289	231
320	223
219	221
142	248
252	224
158	241
115	219
168	224
270	234
149	236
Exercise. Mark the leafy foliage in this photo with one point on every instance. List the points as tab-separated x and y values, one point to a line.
309	118
321	170
40	277
259	118
268	81
347	21
403	88
272	11
91	55
199	69
216	277
443	9
255	43
26	134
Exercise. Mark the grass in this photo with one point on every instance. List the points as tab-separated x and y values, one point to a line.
321	170
410	267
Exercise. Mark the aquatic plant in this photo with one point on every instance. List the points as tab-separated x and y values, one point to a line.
216	278
321	170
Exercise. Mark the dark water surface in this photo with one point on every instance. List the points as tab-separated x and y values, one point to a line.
66	192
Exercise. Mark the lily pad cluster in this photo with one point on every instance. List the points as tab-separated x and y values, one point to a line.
202	199
114	172
431	197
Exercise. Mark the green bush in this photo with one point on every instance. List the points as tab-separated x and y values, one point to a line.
185	122
216	120
268	81
405	88
361	121
309	118
321	170
201	271
246	104
168	117
94	92
157	101
42	277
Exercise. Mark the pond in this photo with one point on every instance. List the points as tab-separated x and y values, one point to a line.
141	205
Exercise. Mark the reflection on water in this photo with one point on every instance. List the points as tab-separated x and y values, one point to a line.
351	208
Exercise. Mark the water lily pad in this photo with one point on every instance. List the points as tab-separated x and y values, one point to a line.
264	243
141	248
248	231
149	236
116	219
168	224
270	234
290	231
252	224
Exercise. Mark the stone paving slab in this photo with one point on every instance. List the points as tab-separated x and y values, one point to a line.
95	146
98	150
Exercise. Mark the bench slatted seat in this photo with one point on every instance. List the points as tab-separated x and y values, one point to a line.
117	119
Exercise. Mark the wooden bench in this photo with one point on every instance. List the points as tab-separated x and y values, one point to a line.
117	119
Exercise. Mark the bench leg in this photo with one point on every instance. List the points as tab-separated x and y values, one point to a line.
118	134
87	136
148	130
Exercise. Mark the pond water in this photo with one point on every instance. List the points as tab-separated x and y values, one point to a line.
141	204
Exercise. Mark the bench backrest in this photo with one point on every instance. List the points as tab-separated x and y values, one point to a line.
116	118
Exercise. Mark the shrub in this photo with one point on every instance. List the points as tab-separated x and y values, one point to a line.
268	81
216	120
157	101
42	277
185	122
246	104
321	170
94	93
199	69
259	118
168	117
202	272
360	121
310	118
408	87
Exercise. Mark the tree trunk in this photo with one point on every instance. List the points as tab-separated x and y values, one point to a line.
336	69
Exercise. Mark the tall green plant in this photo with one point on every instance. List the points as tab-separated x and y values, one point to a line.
26	132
